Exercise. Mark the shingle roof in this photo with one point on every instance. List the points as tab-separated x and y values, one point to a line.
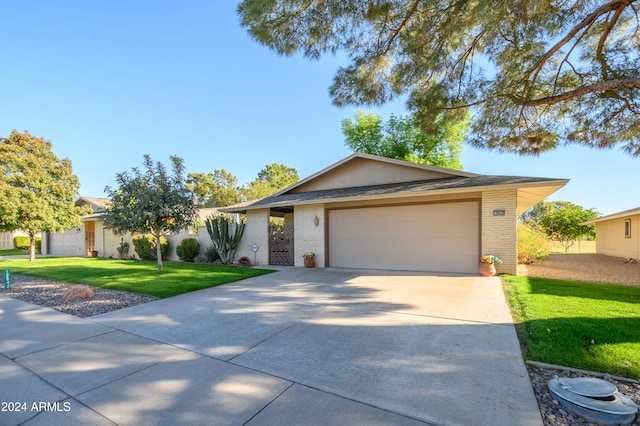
404	188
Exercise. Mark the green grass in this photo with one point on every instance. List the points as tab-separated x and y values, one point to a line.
11	252
134	276
577	324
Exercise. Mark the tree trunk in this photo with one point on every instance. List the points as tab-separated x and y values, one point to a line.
159	252
32	247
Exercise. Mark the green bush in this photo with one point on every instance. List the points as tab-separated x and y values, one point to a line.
533	244
145	246
188	249
211	254
23	243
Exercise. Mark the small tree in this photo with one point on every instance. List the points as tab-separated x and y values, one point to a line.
224	243
562	224
154	202
37	189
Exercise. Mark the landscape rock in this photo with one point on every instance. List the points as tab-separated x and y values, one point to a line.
77	291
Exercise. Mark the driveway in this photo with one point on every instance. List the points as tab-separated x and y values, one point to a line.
300	346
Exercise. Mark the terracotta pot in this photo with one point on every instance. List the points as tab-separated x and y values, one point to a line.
487	269
309	263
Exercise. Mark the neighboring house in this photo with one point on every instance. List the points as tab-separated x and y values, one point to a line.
618	234
373	212
6	238
91	238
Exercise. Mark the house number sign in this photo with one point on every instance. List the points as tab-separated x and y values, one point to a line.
499	212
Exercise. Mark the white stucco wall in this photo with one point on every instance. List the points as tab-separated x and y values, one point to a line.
256	231
308	236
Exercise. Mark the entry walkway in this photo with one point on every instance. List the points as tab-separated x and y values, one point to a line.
299	346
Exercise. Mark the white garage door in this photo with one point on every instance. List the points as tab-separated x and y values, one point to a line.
425	237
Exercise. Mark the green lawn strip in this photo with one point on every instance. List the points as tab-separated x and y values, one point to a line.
12	252
134	276
577	324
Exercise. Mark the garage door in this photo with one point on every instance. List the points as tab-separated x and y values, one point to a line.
425	237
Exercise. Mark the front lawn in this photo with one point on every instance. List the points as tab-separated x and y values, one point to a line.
134	276
577	324
12	252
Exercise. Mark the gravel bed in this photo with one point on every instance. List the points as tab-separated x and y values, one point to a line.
552	412
49	293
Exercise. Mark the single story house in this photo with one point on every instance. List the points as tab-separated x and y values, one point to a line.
618	234
6	238
92	238
373	212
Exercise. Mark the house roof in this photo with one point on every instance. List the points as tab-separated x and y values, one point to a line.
403	184
98	206
626	213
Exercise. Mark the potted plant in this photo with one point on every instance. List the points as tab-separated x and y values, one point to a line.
309	259
487	266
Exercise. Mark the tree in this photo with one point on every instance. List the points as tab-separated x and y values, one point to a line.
154	202
537	73
217	189
271	179
561	222
401	138
37	189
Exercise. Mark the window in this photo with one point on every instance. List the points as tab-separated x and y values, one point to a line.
627	228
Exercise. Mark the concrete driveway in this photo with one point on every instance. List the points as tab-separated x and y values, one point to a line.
300	346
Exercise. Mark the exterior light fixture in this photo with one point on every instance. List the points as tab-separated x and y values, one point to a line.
316	220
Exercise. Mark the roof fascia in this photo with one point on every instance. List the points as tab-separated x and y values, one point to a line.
559	183
613	216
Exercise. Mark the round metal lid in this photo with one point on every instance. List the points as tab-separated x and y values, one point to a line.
589	387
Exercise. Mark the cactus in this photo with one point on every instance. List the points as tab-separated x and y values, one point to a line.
224	243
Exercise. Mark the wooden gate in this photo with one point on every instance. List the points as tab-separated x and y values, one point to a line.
281	245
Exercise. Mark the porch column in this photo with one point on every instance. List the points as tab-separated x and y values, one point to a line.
256	231
309	233
499	228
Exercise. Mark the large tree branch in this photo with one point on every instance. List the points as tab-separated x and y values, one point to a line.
603	39
603	86
404	22
585	23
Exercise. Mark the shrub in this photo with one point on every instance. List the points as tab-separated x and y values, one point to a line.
123	249
188	249
533	244
211	254
145	246
23	242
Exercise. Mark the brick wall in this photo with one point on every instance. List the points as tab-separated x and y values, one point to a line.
499	228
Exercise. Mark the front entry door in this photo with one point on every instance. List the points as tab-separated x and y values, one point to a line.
89	237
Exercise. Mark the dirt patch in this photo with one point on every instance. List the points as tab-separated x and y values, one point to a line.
585	267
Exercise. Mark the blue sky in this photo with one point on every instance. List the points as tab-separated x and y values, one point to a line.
107	82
